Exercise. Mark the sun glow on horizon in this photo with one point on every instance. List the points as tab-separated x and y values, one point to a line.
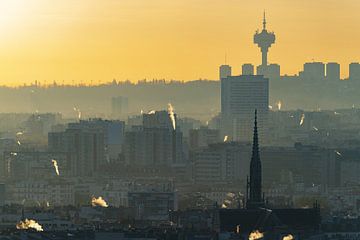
89	41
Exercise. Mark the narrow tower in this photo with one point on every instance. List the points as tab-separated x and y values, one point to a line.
254	192
264	40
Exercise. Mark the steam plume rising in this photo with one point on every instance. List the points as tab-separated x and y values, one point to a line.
226	138
98	202
18	142
288	237
172	115
302	119
29	224
279	105
78	112
237	229
56	166
151	112
256	235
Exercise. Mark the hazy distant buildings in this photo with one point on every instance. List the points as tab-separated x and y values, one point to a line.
271	71
119	107
314	72
37	165
240	96
247	69
158	142
224	71
221	162
2	194
203	136
113	130
87	143
354	71
153	205
333	71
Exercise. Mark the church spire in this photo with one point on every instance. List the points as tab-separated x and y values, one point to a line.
255	198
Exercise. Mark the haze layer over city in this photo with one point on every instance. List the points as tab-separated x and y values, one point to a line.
195	119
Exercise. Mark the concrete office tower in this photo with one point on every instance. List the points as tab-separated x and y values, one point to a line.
264	40
240	96
224	71
314	71
333	71
247	69
354	71
119	107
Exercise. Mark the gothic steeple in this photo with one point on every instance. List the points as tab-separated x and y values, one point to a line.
254	191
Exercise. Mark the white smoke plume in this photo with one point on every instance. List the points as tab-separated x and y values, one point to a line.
54	162
78	112
98	202
226	138
172	115
29	224
279	105
256	235
238	229
302	119
288	237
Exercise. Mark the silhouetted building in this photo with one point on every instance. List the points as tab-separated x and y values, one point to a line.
203	136
264	40
247	69
86	143
271	71
333	71
219	163
224	71
113	131
119	107
314	72
240	96
354	71
158	142
256	216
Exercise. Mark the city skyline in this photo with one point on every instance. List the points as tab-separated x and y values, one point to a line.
61	41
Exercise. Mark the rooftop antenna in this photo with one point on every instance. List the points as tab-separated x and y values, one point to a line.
264	21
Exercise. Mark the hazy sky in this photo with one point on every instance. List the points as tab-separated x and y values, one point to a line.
84	40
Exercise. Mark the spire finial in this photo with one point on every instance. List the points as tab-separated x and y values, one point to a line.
264	21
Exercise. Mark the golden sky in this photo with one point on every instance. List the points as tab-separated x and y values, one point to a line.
98	40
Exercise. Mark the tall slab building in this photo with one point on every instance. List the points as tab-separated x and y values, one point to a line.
240	97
